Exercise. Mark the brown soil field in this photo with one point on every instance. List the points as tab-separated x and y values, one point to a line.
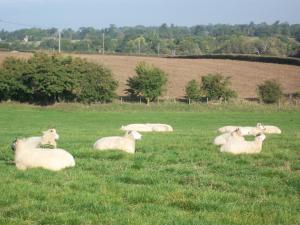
244	75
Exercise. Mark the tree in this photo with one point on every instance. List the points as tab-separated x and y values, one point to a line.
216	87
46	79
148	83
192	90
269	91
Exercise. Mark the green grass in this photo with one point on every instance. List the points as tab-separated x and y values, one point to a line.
174	178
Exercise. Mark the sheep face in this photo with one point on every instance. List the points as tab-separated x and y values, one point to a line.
13	145
52	132
136	135
260	126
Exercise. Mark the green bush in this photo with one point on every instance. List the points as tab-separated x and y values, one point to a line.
46	79
270	91
149	82
216	86
192	90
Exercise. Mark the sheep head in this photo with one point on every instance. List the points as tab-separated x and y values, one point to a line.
260	126
136	135
13	145
51	132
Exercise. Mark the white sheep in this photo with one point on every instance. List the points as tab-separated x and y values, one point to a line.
49	137
224	138
27	157
158	127
236	146
271	129
244	130
148	127
125	143
137	127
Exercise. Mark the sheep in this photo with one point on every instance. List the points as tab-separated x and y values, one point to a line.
148	127
27	157
236	146
271	129
158	127
49	137
224	138
244	130
125	143
137	127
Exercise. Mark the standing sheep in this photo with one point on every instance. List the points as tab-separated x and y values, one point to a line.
125	143
27	157
236	146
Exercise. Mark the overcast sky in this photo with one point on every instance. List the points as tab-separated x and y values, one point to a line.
100	13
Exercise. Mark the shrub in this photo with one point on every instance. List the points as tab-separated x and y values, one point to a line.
192	90
270	91
216	86
148	83
46	79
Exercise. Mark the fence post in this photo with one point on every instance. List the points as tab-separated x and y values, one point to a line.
121	100
140	100
206	100
189	101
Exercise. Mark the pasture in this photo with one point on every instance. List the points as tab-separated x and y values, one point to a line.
173	178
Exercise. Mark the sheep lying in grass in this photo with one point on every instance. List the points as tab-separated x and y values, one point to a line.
137	127
125	143
224	138
148	127
271	129
244	130
236	146
49	137
158	127
27	157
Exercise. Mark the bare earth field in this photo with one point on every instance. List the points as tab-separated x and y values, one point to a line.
245	75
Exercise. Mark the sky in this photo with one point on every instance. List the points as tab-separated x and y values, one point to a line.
100	14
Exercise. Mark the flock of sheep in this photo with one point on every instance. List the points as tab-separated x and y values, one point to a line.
232	140
32	152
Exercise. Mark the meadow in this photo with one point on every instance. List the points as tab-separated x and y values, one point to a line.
173	178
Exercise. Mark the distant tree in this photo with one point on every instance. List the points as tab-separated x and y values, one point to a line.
192	90
269	91
148	83
216	86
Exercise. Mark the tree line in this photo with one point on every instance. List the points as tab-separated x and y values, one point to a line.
46	79
277	39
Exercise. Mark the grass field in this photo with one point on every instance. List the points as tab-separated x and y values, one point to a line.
244	75
174	178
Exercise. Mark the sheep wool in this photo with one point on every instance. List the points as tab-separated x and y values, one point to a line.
236	146
55	159
224	138
125	143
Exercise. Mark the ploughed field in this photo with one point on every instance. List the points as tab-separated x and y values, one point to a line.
173	178
245	75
